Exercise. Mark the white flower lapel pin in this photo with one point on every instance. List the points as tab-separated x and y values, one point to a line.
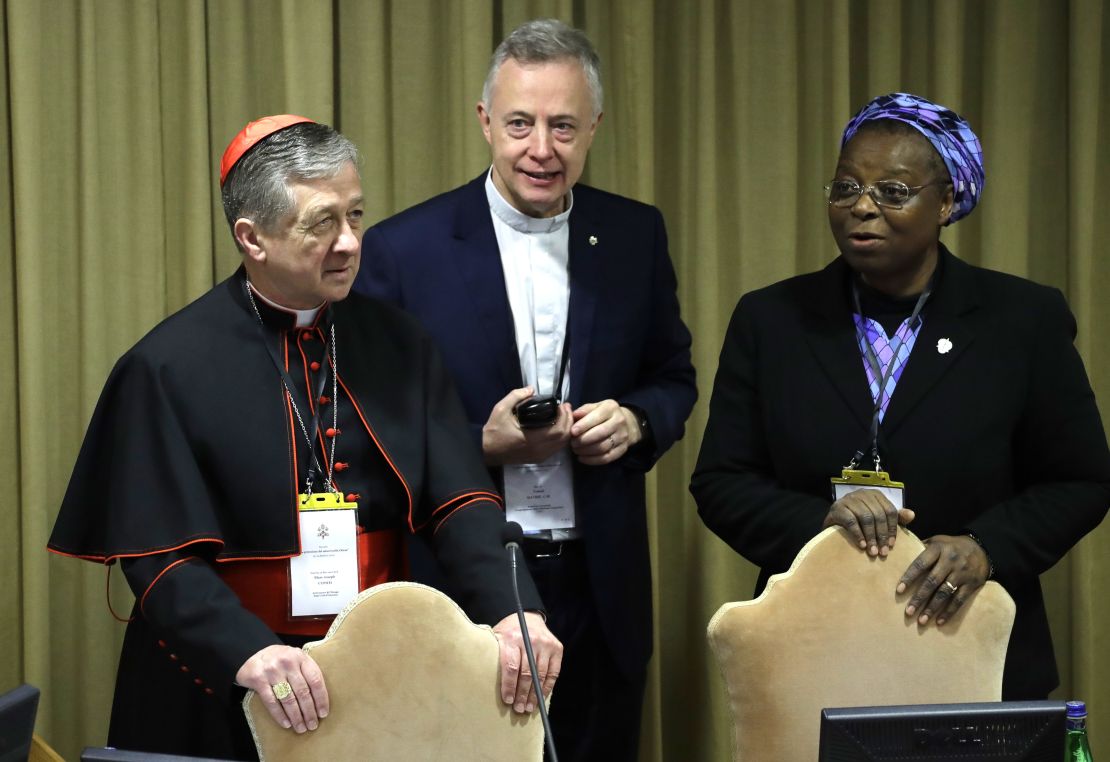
944	346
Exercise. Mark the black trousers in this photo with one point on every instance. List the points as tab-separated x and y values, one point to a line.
595	710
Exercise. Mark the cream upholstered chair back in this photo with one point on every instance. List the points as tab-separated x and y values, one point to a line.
409	678
831	632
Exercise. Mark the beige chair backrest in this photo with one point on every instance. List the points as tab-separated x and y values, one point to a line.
831	632
41	751
409	678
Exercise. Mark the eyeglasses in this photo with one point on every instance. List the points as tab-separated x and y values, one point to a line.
889	193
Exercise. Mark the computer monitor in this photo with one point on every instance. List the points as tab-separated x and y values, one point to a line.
108	754
1007	731
17	722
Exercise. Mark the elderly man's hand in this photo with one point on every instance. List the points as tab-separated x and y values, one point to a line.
950	568
870	518
603	432
307	700
516	676
505	442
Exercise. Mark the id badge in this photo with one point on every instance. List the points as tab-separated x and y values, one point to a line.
851	480
324	577
540	496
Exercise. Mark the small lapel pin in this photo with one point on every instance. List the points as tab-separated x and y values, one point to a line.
944	346
593	240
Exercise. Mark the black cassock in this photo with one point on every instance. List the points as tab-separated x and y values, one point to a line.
194	458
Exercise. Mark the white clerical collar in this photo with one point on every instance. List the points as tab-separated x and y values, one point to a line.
517	219
305	318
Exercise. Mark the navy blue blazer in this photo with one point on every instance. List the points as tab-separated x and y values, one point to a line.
995	432
440	261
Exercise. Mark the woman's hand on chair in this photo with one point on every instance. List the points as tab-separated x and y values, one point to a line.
870	518
950	569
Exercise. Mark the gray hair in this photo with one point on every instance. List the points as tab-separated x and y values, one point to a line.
258	186
542	41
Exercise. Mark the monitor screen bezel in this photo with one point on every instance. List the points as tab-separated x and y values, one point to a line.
834	720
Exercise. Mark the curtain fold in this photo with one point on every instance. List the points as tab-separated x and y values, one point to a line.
1088	282
11	520
724	113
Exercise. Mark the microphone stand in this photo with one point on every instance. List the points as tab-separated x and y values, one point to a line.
513	547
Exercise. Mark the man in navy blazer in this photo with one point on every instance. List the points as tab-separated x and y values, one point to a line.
532	289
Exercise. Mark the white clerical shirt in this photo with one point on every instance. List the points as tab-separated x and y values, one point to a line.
534	257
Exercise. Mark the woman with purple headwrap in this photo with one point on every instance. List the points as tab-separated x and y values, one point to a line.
902	384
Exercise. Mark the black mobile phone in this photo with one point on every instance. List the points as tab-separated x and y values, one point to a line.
536	412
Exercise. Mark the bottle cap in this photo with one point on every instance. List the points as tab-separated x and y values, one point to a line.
1077	709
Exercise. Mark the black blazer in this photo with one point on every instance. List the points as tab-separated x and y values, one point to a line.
999	436
440	261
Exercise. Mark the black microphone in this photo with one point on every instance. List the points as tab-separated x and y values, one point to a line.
511	537
511	534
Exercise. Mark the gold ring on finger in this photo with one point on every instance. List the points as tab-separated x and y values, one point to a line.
950	587
281	690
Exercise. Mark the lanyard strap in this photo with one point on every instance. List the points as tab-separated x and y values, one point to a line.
557	390
869	356
313	463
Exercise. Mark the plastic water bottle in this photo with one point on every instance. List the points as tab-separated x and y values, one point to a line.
1078	749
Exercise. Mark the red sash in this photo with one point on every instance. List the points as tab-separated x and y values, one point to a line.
263	585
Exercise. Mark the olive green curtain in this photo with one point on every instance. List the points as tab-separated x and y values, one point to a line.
113	115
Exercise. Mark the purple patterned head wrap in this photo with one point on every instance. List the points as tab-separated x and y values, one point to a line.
949	133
